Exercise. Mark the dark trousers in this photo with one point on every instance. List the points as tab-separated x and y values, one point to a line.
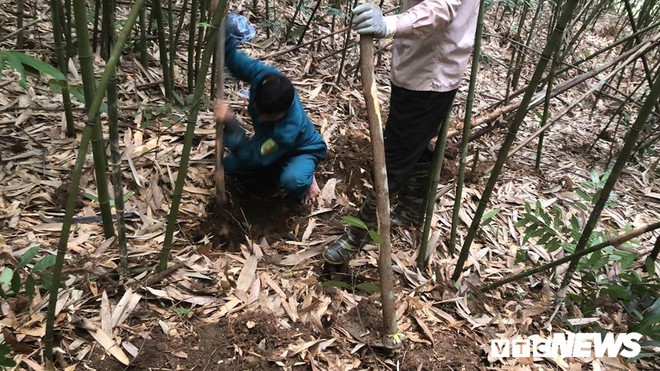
415	118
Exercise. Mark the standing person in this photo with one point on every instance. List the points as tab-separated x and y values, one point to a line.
433	40
285	142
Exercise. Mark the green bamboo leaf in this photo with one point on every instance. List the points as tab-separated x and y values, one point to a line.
583	195
16	282
30	286
16	64
40	66
377	238
557	217
3	58
546	217
6	361
28	256
44	263
46	281
337	284
544	239
594	258
522	221
353	221
488	216
650	267
539	232
6	275
521	256
553	245
181	311
368	287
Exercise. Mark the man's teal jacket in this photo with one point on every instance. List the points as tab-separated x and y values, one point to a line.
293	134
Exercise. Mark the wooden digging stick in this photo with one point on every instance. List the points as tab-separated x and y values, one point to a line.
391	338
219	175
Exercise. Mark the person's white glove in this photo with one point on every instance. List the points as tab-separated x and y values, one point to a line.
368	20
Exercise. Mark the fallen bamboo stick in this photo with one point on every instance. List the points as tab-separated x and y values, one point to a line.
614	241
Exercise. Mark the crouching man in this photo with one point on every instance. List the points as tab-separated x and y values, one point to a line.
285	141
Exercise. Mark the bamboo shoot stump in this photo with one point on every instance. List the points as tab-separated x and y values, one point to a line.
392	337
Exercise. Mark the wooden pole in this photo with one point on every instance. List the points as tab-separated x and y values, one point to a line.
391	338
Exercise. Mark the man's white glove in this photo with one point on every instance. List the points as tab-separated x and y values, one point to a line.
368	20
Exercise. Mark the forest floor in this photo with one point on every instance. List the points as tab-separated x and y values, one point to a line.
250	290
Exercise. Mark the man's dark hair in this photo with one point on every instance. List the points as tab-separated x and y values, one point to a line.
274	94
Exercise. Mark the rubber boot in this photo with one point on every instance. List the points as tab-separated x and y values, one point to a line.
350	243
410	207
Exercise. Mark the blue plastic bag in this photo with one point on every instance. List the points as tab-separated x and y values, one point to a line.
239	27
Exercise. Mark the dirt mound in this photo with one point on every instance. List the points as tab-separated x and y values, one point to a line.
251	341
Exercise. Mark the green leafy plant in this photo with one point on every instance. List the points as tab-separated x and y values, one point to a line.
25	64
636	292
5	359
355	222
21	279
588	191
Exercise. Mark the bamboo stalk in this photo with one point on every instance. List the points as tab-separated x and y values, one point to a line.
476	54
191	46
67	34
93	112
509	111
115	153
107	27
95	31
322	37
369	90
20	35
188	136
649	46
56	9
434	179
647	71
113	130
614	241
267	19
618	112
177	37
144	58
162	48
521	60
309	21
171	47
200	37
85	56
515	55
293	21
599	8
603	195
546	102
575	65
554	39
346	39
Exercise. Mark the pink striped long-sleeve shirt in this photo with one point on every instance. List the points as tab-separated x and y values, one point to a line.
432	43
